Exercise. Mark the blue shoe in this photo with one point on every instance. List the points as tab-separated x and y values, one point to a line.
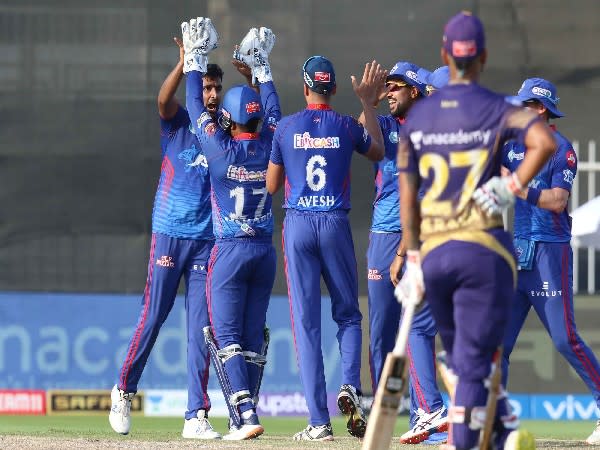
436	438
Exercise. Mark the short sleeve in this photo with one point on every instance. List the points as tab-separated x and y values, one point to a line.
564	167
276	157
169	126
360	136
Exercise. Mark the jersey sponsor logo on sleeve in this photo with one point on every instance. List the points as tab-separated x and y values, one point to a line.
568	176
512	155
305	141
203	118
459	137
240	173
393	137
252	107
571	158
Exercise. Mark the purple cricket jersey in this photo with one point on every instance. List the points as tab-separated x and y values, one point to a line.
450	140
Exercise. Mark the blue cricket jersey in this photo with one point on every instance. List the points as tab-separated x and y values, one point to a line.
240	202
182	202
315	146
538	224
386	205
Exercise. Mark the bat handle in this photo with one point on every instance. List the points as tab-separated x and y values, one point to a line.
405	325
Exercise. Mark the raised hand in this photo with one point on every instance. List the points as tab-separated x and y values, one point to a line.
254	51
199	38
369	88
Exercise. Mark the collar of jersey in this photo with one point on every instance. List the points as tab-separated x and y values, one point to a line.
246	136
322	106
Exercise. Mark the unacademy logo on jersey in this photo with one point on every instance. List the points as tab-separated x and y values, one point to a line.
305	141
512	155
459	137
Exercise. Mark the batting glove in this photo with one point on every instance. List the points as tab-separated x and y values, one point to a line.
254	51
497	194
199	39
411	288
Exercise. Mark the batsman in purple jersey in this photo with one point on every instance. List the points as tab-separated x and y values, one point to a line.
312	150
402	90
465	266
182	239
242	262
542	231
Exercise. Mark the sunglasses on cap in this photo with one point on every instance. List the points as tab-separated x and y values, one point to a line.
393	85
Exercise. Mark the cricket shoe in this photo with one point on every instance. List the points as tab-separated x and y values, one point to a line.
520	440
349	403
120	410
436	439
319	433
594	438
199	428
427	424
250	429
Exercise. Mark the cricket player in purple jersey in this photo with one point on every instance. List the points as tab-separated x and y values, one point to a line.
242	262
311	155
182	239
403	88
542	232
464	267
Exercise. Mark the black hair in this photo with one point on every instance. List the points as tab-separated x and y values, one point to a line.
252	125
214	71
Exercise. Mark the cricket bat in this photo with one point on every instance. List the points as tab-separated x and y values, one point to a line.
384	412
485	435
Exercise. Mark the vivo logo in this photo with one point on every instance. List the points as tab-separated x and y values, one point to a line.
571	409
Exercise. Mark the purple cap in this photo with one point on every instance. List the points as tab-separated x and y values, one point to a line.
464	38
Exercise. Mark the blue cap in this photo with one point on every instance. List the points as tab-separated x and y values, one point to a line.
409	73
541	90
464	38
319	75
423	75
439	77
243	104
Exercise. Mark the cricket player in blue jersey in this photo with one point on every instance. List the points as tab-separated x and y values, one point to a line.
458	256
242	261
542	231
311	156
182	239
385	259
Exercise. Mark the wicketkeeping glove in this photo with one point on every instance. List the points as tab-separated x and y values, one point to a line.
411	288
199	39
254	51
497	194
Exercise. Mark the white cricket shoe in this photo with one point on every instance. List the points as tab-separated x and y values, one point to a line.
120	410
318	433
250	429
520	440
427	424
199	428
594	438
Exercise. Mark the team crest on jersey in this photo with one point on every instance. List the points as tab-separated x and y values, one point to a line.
571	158
193	158
568	176
393	137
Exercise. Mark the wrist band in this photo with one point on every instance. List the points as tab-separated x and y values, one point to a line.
533	195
